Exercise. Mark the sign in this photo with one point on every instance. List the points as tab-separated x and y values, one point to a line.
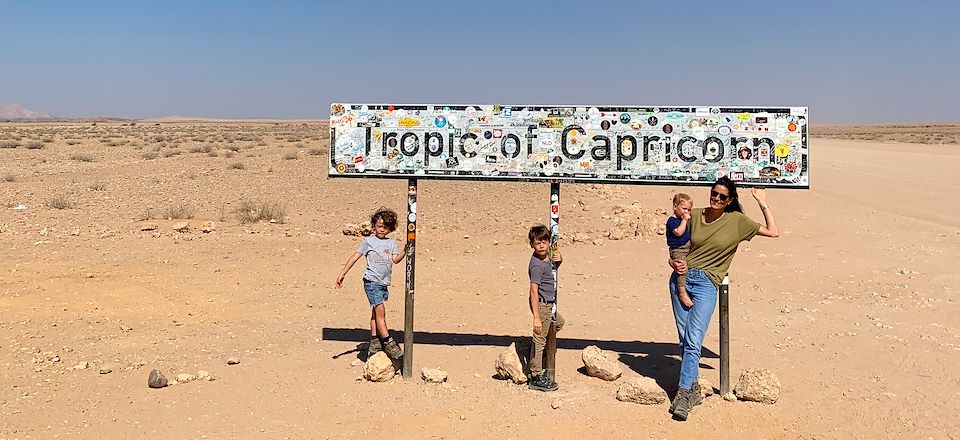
756	146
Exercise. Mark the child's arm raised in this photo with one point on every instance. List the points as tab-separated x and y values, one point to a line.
346	268
535	308
679	230
398	257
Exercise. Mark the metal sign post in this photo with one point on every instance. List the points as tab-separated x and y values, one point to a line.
411	261
725	337
550	349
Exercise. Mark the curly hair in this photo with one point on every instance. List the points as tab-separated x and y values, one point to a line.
388	216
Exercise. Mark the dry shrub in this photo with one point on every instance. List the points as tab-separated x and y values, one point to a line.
81	157
34	145
149	155
171	153
9	177
98	186
252	212
9	144
180	211
237	166
72	142
290	156
315	151
60	201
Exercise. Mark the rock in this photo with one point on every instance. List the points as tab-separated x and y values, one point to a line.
433	375
148	227
208	227
598	242
556	404
661	229
106	370
233	361
82	366
156	379
76	232
599	364
379	368
706	388
204	375
181	227
508	365
357	230
615	233
185	377
580	237
642	390
758	385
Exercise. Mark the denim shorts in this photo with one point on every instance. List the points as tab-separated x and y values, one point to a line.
376	292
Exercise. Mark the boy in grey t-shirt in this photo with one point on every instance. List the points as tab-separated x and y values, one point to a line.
543	303
381	253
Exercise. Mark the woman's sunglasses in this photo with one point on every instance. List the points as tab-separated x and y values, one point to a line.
720	197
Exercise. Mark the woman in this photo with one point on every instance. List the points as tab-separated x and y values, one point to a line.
716	232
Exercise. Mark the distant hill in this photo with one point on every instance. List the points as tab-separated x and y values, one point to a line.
17	111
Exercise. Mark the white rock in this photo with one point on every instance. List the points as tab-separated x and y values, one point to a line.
379	368
758	385
181	227
433	375
508	365
598	364
186	377
204	375
642	390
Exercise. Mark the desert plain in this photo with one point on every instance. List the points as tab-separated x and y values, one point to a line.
854	307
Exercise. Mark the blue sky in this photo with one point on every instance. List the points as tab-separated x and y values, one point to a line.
850	63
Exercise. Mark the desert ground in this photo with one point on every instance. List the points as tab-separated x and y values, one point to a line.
854	308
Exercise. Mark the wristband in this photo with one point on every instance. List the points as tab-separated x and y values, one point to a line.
764	207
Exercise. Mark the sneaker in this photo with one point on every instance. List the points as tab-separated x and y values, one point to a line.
682	409
373	348
393	349
541	382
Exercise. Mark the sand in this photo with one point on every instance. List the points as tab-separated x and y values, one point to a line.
854	307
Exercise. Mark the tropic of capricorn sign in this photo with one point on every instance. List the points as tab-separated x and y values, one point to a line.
758	146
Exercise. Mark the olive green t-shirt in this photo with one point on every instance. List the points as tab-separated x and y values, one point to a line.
713	245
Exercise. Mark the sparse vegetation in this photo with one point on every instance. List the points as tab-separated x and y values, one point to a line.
9	144
171	153
81	157
97	186
291	156
315	151
34	145
180	211
253	212
149	155
237	166
9	177
60	201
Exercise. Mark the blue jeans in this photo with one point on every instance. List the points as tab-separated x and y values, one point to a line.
376	292
692	323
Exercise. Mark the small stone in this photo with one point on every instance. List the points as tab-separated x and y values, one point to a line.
82	366
204	375
76	232
642	390
379	368
156	379
463	417
208	227
433	375
556	404
233	361
105	370
181	227
508	365
356	363
148	227
598	364
185	377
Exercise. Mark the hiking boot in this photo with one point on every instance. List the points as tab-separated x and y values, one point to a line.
696	397
393	349
541	382
373	348
682	408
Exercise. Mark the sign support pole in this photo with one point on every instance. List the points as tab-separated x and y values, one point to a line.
725	337
411	261
550	349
